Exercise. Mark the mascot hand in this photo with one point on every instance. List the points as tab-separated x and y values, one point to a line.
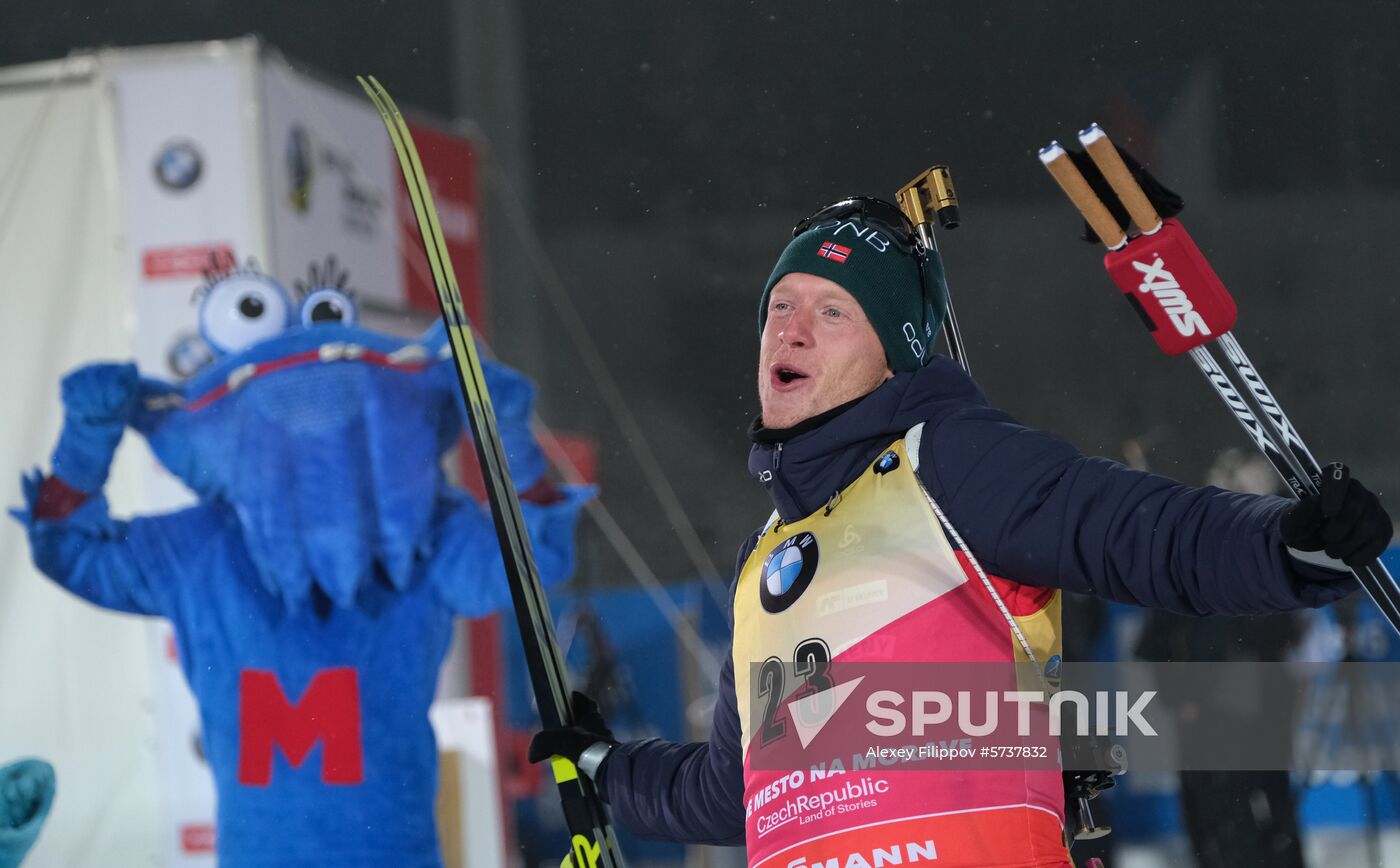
98	401
26	794
156	401
25	790
101	394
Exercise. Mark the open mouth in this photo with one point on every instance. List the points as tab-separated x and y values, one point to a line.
785	376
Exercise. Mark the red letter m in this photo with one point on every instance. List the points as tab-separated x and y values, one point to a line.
329	713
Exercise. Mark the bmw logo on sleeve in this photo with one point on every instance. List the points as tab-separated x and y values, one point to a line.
787	572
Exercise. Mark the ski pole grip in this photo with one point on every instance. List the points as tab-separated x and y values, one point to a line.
1062	169
1168	281
1115	171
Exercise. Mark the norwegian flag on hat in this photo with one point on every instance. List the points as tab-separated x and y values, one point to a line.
833	251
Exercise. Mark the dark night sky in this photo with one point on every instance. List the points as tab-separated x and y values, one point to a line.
671	144
707	107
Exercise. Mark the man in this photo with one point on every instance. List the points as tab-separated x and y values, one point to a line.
969	523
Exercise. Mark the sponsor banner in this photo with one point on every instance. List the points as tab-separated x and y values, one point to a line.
197	838
450	166
187	787
331	174
852	719
190	185
183	261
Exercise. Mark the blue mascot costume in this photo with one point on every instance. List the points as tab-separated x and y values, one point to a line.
312	588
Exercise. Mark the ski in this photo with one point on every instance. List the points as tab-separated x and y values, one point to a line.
593	843
1187	307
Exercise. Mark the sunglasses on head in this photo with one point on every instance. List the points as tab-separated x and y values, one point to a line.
873	212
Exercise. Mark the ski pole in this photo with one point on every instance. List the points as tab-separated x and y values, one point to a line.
593	843
932	191
1188	307
1281	431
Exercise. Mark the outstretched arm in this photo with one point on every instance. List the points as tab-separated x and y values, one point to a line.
1038	512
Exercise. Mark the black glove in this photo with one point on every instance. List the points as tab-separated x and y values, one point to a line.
1345	520
570	741
1167	203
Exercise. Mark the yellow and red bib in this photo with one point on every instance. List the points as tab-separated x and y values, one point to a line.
875	577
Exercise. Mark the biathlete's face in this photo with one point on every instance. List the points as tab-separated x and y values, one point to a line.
818	351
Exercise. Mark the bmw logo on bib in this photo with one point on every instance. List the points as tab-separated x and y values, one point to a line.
787	572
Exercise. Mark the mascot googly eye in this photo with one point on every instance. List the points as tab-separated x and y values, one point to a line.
327	306
242	308
326	299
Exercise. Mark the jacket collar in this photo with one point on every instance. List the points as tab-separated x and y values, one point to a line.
760	433
802	467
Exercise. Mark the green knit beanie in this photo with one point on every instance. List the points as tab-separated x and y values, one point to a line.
864	261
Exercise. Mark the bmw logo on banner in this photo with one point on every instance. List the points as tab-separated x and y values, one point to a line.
787	572
179	165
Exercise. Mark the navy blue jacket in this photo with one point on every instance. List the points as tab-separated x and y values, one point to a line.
1032	508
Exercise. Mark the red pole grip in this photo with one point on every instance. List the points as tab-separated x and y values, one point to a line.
1168	280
